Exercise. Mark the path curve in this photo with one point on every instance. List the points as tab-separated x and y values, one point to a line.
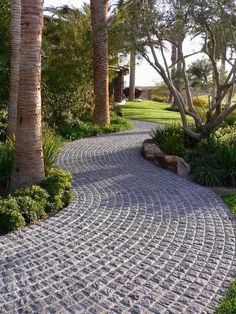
136	239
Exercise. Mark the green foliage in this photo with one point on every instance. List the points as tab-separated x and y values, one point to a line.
58	185
6	159
35	192
118	124
172	140
51	147
28	205
228	304
161	90
30	209
230	200
199	73
159	98
200	102
67	67
213	161
57	181
10	216
3	123
5	49
79	129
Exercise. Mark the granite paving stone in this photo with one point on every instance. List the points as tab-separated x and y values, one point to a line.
135	239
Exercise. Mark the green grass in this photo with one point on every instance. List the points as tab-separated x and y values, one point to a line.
228	303
151	111
154	112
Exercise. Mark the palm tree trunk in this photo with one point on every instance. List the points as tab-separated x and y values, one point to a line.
15	66
28	166
99	11
132	75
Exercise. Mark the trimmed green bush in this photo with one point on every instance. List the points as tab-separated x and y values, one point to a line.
30	209
10	217
28	205
58	185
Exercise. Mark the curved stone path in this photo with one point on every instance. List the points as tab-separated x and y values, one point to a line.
136	239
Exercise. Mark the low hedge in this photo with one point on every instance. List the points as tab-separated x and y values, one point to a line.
80	129
28	205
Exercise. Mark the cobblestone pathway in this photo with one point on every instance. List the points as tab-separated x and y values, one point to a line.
136	239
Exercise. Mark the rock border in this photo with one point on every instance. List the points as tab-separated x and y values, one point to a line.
152	152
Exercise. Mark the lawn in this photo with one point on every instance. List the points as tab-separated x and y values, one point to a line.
151	111
154	112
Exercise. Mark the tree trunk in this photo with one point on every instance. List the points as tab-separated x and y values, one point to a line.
28	165
99	11
178	69
14	67
132	75
173	68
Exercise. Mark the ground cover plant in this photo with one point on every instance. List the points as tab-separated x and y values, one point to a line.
212	161
228	303
80	129
28	205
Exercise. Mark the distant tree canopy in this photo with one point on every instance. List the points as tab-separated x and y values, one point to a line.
155	25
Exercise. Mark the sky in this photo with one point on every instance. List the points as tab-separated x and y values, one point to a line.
145	74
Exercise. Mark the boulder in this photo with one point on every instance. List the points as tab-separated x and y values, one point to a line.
150	150
174	163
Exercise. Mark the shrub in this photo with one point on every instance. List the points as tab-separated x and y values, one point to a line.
57	180
27	205
58	185
3	123
35	192
213	161
51	147
79	129
30	209
10	217
230	200
172	140
200	101
159	98
118	124
6	159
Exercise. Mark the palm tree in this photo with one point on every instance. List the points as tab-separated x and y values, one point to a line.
132	75
15	65
28	166
99	11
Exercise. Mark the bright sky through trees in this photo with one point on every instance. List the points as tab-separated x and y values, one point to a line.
145	75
